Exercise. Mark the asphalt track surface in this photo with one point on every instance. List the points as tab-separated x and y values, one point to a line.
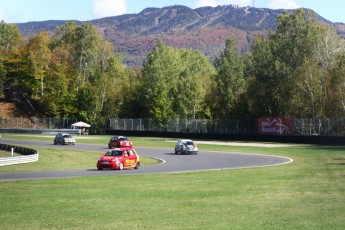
170	163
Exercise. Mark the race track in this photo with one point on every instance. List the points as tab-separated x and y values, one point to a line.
171	163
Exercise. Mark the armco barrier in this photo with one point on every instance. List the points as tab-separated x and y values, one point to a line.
41	131
28	155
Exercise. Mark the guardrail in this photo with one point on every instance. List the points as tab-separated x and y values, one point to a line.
28	155
41	131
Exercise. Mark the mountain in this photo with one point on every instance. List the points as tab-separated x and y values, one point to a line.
204	29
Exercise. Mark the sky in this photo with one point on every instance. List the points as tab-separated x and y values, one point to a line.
19	11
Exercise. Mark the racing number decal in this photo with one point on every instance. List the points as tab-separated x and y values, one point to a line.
129	162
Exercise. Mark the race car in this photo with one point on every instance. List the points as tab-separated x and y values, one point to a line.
119	159
186	147
64	138
119	142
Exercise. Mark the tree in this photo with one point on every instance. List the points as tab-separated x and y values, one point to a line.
174	83
88	56
160	72
262	85
112	88
60	94
10	37
335	106
11	42
230	83
295	38
329	47
314	90
83	44
282	66
39	57
309	94
192	85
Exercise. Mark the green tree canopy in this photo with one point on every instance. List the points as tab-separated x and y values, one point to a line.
285	62
174	83
230	84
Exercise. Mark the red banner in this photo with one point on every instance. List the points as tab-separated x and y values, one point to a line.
276	126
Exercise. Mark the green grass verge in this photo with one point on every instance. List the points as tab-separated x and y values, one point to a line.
94	139
306	194
4	153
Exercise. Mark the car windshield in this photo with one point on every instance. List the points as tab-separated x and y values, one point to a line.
123	138
67	136
114	153
189	143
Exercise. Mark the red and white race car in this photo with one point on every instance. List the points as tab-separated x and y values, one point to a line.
119	158
119	142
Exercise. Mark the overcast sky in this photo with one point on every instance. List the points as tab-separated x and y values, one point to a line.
15	11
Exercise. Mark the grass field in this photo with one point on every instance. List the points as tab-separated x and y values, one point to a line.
306	194
4	153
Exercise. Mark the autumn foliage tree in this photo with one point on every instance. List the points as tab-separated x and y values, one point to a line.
295	71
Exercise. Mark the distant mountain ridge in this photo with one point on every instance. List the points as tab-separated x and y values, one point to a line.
204	29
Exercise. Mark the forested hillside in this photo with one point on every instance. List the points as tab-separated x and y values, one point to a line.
204	29
298	70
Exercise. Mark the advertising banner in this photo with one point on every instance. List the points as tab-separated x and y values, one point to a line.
275	126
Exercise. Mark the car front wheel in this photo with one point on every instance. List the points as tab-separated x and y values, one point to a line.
137	165
121	166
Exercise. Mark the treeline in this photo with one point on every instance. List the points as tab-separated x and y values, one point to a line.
296	71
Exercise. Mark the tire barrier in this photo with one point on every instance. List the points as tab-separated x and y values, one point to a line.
27	155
